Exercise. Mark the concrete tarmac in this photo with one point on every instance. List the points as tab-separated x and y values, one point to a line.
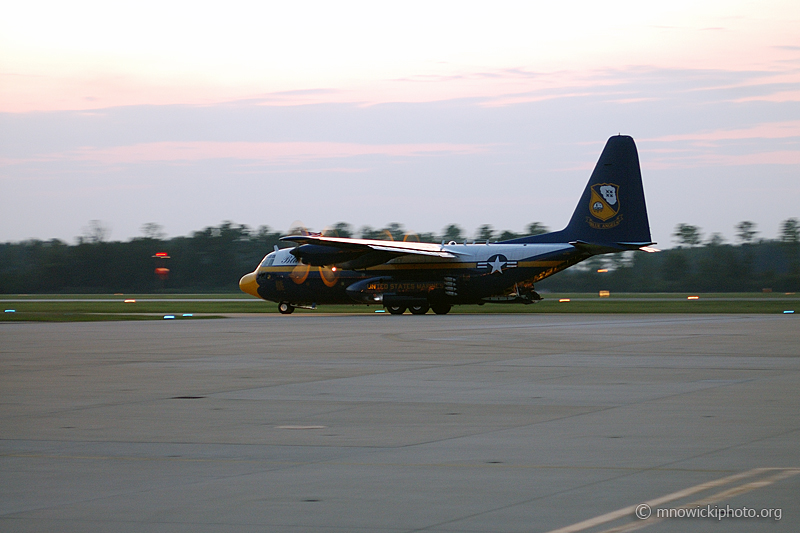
458	423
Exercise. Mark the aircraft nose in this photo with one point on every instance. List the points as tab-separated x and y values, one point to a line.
249	284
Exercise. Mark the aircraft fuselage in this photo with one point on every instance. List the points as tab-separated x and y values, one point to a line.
611	217
483	272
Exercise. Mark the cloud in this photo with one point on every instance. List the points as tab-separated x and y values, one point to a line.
266	152
681	160
769	130
779	96
507	157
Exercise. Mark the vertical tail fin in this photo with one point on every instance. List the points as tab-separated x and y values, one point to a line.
612	209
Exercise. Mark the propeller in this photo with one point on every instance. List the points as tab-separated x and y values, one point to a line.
299	273
330	231
329	275
298	228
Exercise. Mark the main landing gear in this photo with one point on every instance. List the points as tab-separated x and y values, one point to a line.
439	309
285	308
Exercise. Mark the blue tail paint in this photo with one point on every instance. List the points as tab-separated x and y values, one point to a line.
611	213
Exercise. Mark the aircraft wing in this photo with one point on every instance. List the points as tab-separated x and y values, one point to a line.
366	245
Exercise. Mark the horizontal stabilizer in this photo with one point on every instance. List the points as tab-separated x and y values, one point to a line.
596	248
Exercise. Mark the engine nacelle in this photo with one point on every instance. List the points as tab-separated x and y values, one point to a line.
318	255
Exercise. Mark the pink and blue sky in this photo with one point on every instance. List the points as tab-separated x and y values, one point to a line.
423	113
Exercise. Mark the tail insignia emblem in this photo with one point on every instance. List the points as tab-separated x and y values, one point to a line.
604	202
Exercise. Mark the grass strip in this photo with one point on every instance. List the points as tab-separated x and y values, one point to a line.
66	311
86	317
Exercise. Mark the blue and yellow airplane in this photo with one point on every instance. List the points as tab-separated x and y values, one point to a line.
611	217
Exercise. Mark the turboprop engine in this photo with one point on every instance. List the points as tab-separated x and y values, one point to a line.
318	255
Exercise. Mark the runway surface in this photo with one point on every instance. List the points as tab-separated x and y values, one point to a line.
462	423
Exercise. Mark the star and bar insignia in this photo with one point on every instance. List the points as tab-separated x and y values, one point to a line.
497	263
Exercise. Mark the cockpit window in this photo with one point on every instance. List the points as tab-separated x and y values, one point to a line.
268	260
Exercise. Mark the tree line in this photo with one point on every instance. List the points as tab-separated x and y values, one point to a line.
696	265
214	259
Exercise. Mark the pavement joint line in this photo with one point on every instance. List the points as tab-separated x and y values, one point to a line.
141	491
353	463
352	404
714	498
633	472
702	487
108	523
645	319
744	441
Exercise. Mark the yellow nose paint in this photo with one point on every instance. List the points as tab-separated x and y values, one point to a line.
249	285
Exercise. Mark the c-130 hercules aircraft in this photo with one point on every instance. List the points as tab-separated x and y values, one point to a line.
611	217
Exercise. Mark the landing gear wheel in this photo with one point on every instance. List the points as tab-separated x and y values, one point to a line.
441	309
396	309
285	308
419	309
